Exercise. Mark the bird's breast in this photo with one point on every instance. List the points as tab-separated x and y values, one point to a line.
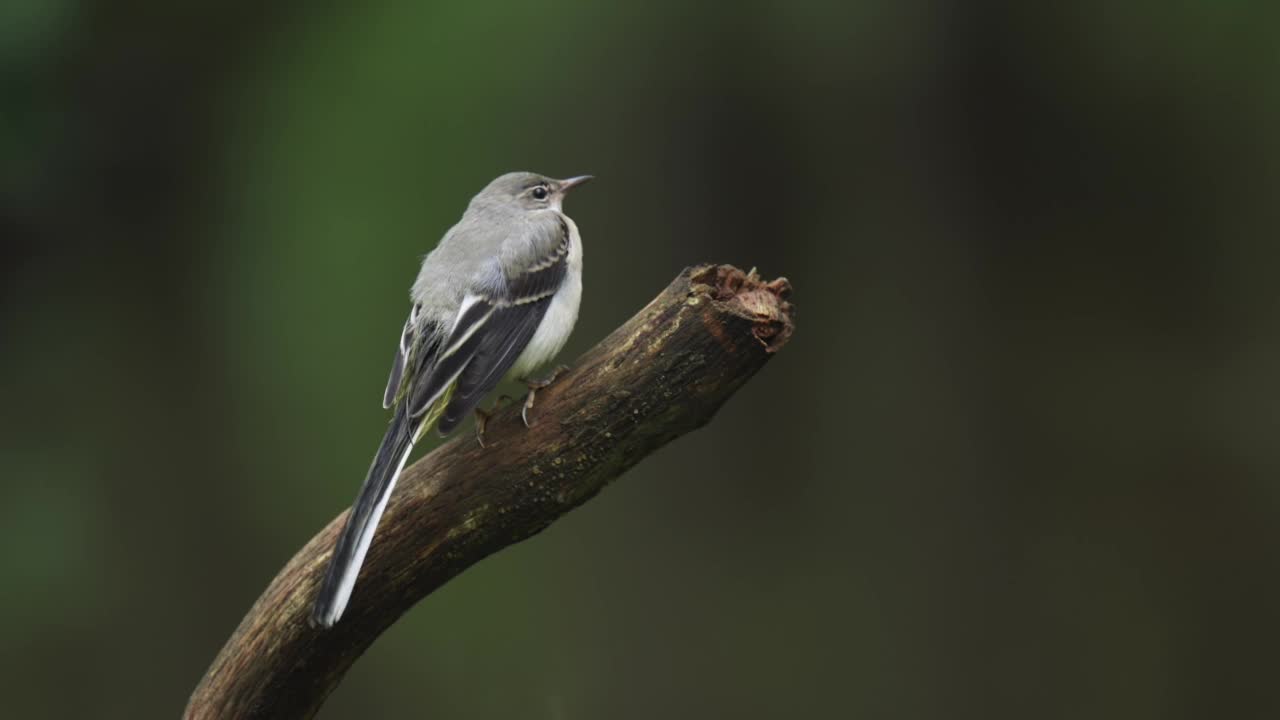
557	324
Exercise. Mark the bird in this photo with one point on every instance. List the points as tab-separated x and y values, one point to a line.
498	297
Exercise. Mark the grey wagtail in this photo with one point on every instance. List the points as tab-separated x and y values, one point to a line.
497	297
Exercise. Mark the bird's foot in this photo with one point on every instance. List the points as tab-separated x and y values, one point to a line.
482	417
536	385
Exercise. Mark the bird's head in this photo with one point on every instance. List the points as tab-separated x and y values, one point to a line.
528	191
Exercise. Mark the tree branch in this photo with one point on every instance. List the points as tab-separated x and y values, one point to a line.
663	373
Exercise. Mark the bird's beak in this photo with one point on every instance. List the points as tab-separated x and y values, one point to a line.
566	185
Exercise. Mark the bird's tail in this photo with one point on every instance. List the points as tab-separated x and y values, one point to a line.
356	537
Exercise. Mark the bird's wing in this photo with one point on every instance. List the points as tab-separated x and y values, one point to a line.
493	327
403	349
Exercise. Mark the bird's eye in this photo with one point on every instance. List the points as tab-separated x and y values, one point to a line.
540	192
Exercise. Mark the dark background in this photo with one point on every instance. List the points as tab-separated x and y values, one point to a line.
1019	459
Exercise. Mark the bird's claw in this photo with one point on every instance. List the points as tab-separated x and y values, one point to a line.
536	385
482	417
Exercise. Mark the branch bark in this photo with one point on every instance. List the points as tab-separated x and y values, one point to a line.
663	373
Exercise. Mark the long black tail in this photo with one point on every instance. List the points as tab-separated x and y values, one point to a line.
354	542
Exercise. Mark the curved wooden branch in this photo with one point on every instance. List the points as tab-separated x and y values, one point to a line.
663	373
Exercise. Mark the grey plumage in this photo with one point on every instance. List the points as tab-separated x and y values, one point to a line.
498	295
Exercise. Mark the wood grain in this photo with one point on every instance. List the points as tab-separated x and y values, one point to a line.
663	373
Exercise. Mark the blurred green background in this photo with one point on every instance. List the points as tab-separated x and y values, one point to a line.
1020	459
